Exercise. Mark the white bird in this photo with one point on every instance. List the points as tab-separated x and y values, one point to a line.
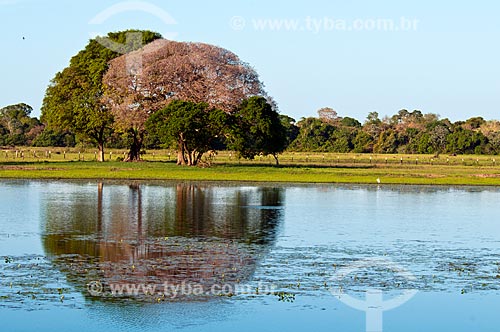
378	180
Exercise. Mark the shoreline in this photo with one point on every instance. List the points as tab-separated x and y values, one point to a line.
256	173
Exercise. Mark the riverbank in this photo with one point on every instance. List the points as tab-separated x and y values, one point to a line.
424	174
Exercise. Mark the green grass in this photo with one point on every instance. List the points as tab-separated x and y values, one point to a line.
390	174
296	167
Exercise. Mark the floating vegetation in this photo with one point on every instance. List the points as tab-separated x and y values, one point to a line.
315	271
35	281
86	266
285	296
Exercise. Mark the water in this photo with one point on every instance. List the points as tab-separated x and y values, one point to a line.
290	257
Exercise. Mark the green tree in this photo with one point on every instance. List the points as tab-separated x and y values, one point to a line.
314	135
17	127
73	100
438	133
373	118
350	122
474	123
341	140
49	137
494	142
387	142
3	135
292	131
401	117
424	144
463	141
362	142
193	127
373	125
257	129
410	137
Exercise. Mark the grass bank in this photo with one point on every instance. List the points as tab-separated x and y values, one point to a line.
366	172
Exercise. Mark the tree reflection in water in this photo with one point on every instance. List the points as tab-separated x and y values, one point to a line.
196	234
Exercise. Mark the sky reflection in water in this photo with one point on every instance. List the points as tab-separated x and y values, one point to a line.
56	237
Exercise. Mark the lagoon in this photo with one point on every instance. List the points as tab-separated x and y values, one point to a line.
290	256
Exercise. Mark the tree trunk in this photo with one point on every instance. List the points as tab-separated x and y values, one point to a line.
135	149
193	161
276	158
100	154
189	158
99	138
198	157
181	160
186	157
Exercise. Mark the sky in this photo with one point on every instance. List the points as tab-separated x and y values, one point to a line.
353	56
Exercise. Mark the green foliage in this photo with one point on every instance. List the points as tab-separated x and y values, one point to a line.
341	140
292	131
49	137
73	100
117	140
362	142
416	141
387	142
258	129
193	127
373	118
494	143
406	117
463	141
350	122
405	132
17	128
313	135
474	123
437	135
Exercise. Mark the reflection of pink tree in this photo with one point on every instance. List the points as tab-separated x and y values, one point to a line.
127	257
174	236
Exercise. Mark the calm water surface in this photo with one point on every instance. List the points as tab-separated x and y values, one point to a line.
282	251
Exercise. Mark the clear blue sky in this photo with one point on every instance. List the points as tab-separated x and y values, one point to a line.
449	65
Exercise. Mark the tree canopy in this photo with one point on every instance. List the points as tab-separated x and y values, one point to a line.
192	127
17	127
73	100
168	71
404	132
258	129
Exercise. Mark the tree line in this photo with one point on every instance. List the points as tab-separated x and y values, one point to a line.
255	128
195	97
404	132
